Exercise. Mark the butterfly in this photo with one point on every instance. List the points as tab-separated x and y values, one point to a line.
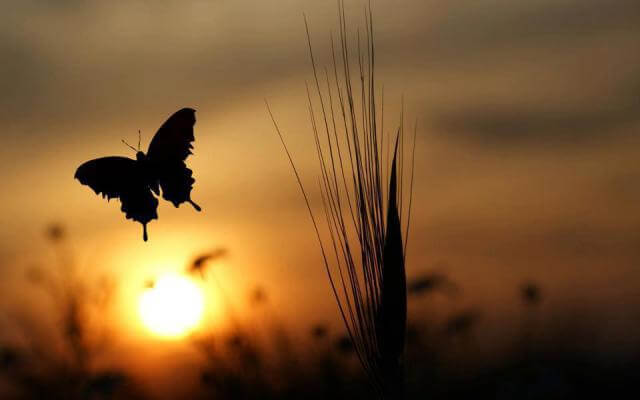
135	182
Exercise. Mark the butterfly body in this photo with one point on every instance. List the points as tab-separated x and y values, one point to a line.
146	170
161	170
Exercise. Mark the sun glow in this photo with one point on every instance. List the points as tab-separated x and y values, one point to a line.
172	307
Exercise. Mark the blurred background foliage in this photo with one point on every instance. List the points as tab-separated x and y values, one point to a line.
258	357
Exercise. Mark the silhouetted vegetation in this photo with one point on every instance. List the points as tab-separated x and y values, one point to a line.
199	264
429	283
59	362
260	359
531	293
438	360
366	199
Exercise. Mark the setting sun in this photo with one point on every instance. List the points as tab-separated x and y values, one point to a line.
172	307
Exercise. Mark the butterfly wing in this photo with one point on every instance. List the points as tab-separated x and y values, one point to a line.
123	178
167	153
173	139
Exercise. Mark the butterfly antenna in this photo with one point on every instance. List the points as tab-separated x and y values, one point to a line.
130	146
139	139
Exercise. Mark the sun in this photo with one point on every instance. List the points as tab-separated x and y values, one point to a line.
172	307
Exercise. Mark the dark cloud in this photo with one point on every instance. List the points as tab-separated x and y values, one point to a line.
537	21
23	77
160	54
472	30
544	124
509	126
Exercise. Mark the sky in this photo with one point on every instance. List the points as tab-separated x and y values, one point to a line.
526	158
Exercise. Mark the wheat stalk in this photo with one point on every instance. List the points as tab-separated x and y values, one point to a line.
362	195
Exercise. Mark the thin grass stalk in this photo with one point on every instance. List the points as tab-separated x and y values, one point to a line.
362	194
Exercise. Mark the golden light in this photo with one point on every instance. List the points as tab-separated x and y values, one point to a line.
172	307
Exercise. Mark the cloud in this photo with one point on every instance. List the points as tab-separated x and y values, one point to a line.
517	125
469	30
566	109
22	79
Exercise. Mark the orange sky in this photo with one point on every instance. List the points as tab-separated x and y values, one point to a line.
527	157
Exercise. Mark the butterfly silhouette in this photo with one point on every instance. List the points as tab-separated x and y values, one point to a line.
136	181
